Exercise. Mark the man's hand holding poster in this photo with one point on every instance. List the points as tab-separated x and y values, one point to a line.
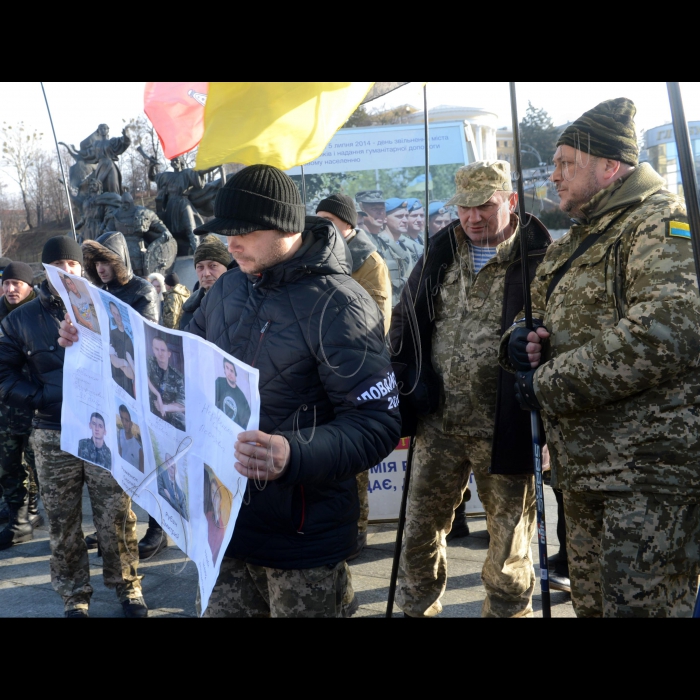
161	409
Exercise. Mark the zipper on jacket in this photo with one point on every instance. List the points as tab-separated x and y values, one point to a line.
303	511
260	341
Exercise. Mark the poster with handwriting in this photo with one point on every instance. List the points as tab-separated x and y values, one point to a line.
161	410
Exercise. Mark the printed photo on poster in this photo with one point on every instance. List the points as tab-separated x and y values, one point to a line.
121	346
81	302
166	380
93	449
171	471
233	393
217	510
129	441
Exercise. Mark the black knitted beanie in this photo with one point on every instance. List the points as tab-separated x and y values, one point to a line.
258	198
61	248
342	206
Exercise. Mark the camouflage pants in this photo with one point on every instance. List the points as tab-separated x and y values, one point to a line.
363	493
439	477
17	468
632	554
247	590
61	477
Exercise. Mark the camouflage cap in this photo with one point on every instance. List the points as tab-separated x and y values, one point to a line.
477	182
370	197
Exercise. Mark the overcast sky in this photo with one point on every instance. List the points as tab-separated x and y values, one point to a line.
77	108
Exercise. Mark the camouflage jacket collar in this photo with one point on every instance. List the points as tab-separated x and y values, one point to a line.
641	183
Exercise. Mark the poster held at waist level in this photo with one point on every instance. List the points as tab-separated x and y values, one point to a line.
161	410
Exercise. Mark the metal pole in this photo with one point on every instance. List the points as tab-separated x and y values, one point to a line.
690	191
303	187
399	534
409	460
60	164
687	166
534	415
426	238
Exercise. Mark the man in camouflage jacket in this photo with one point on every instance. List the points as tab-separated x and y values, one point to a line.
465	420
619	381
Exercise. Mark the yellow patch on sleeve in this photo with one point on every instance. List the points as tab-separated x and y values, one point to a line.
677	229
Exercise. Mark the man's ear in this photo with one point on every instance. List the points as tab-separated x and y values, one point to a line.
610	170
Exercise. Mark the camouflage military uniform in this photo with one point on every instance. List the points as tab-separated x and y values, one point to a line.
398	260
171	385
457	440
102	456
17	467
413	246
619	393
248	590
62	477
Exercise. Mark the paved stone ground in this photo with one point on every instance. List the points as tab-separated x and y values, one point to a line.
170	580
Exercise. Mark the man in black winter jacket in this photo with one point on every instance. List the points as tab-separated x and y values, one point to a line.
17	483
328	396
107	265
29	346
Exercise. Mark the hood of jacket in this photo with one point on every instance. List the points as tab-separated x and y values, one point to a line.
361	247
323	252
641	183
110	248
181	290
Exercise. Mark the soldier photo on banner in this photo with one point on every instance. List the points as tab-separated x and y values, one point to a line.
94	449
121	345
166	381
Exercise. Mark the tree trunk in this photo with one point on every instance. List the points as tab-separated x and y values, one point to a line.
26	208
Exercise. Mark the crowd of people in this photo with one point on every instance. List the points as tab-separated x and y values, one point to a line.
360	338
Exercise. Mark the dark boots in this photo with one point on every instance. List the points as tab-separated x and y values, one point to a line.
154	541
18	529
35	518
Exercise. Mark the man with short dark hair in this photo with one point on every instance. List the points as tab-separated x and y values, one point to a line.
130	448
289	307
230	399
18	484
93	449
29	343
166	385
121	353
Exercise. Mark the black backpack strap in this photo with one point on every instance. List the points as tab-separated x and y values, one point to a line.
587	243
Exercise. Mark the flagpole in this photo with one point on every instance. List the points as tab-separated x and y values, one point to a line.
426	128
60	164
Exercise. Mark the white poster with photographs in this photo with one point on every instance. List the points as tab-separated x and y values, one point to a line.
161	409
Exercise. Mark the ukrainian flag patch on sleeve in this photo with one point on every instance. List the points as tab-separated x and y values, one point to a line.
677	229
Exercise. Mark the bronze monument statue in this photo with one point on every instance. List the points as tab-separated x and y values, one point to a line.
151	246
183	199
97	156
94	206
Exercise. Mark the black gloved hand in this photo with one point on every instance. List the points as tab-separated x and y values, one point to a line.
525	392
517	344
